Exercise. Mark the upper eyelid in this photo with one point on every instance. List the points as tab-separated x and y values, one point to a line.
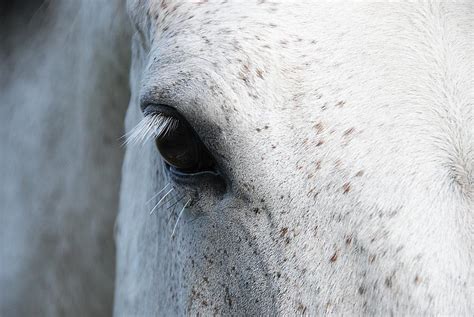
162	109
159	120
156	96
153	125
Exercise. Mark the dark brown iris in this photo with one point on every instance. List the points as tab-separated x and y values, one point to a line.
182	149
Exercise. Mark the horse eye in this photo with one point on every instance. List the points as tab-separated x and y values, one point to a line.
180	147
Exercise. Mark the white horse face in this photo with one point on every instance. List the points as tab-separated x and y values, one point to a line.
342	138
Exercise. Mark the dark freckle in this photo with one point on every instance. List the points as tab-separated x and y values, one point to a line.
283	232
301	308
388	282
227	296
334	257
315	230
346	188
340	104
318	165
361	290
320	142
173	9
319	127
258	129
348	131
265	127
349	240
417	280
359	173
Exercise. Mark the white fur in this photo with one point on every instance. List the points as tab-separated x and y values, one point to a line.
344	131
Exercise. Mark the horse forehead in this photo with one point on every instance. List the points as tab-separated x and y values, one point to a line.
303	31
306	54
279	36
307	43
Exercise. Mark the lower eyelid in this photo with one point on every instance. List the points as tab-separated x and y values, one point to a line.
176	172
160	109
213	179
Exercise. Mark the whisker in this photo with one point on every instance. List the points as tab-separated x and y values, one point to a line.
156	195
179	217
159	202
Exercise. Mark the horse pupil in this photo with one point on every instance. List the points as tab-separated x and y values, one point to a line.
182	149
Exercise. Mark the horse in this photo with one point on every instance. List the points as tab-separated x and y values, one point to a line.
281	158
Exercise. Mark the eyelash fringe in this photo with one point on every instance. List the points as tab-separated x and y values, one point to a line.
152	126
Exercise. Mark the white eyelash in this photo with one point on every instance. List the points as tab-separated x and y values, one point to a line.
152	126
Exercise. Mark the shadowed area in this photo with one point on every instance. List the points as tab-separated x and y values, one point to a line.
18	11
